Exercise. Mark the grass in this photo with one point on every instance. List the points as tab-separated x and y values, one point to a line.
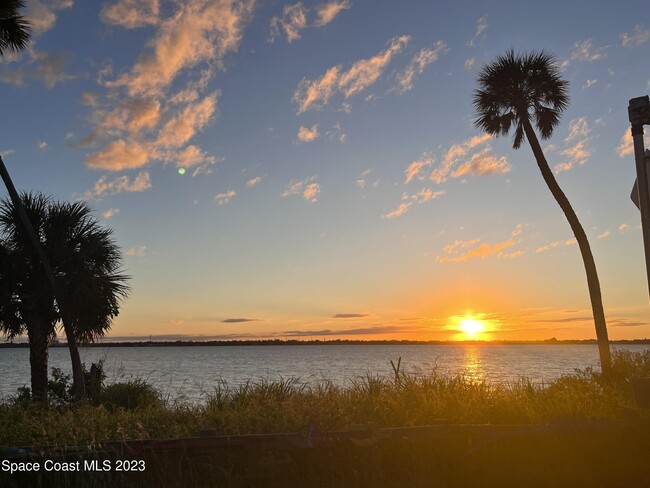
555	458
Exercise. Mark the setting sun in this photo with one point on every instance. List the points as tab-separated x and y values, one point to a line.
471	326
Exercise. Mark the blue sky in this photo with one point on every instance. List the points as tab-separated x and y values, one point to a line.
311	169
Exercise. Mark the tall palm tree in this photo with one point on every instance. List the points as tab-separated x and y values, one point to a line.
86	263
14	29
521	91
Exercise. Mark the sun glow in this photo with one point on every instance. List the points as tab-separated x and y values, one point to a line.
471	326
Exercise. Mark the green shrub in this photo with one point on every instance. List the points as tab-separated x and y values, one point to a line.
131	395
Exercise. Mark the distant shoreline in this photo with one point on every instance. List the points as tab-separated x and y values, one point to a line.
278	342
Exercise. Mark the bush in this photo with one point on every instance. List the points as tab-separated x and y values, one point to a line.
133	394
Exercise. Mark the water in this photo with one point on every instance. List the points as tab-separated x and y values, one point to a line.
191	371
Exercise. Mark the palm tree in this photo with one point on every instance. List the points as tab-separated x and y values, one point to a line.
26	299
519	91
85	261
14	29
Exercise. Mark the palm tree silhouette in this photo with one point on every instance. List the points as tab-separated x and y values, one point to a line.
86	262
14	29
519	91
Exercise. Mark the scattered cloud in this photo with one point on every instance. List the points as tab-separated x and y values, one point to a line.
414	169
603	235
470	63
575	143
337	133
623	227
45	67
399	211
555	245
626	145
238	320
349	315
42	146
42	14
307	188
292	22
111	212
637	38
315	94
104	187
143	114
479	34
327	12
475	250
253	182
308	135
225	197
131	14
586	51
417	65
483	163
136	251
589	83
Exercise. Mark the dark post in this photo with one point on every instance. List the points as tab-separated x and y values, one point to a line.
639	114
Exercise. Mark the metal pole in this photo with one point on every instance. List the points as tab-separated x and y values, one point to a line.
639	115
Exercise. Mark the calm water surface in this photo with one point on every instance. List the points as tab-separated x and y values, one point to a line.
190	372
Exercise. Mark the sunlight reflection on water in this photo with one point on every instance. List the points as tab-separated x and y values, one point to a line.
190	372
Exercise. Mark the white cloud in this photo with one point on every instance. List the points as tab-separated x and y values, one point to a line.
306	188
293	20
253	182
470	63
418	64
637	38
576	149
41	14
119	155
586	51
308	135
315	94
111	212
483	163
48	68
225	197
626	145
137	251
42	146
479	34
327	12
414	169
131	14
589	83
104	187
603	235
479	163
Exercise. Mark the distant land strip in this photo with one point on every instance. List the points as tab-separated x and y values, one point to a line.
279	342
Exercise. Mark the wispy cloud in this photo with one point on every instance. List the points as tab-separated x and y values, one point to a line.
137	251
470	63
586	51
291	23
104	187
474	250
254	182
415	169
399	211
307	188
418	64
575	143
481	162
637	38
589	84
424	195
327	12
603	235
225	197
48	68
238	320
626	145
306	134
555	245
143	115
111	212
315	94
131	14
349	315
42	15
479	34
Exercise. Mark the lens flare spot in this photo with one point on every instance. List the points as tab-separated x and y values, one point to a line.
181	171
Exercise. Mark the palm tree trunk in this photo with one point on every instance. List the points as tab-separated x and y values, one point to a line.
583	243
38	356
77	371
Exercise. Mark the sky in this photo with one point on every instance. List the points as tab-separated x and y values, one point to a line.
311	170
